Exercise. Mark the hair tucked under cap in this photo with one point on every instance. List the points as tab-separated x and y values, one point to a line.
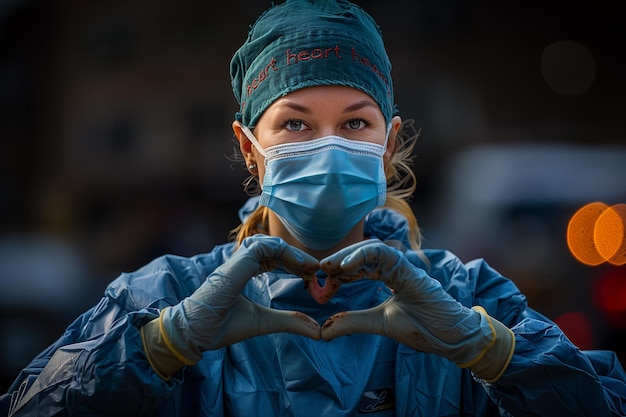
304	43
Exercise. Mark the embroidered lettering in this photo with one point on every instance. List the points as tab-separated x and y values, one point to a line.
367	63
265	72
316	53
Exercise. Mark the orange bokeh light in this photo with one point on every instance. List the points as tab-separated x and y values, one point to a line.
595	234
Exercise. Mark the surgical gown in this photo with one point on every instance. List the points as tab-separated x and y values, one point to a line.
98	366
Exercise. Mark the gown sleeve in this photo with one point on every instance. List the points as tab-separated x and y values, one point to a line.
548	375
98	366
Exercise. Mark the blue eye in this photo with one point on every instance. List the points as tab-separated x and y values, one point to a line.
294	124
357	124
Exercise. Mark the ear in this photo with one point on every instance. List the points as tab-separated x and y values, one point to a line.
396	123
246	147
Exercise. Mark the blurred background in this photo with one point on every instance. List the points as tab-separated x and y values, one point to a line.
115	136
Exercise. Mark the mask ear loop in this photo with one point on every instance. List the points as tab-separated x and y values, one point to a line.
255	142
387	137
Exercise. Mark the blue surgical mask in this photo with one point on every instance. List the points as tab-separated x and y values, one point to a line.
321	188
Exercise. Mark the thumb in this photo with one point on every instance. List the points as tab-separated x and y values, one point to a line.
248	319
359	321
277	321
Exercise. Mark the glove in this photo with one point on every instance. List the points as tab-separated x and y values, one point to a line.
217	314
420	314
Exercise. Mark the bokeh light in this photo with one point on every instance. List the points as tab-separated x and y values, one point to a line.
595	234
568	67
609	289
577	327
609	234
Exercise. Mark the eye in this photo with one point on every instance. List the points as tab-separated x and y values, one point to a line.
294	125
357	124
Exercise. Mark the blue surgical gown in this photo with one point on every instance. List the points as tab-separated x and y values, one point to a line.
98	366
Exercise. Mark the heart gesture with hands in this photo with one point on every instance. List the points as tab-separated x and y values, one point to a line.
420	314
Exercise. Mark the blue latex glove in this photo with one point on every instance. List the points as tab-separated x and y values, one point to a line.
420	314
217	314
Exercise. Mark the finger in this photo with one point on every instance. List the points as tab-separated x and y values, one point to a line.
332	264
244	263
271	252
302	264
360	321
279	321
337	275
247	319
297	261
375	257
257	254
384	263
337	269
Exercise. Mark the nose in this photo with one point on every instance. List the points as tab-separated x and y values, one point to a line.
324	131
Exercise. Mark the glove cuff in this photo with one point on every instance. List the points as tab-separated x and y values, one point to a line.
158	349
493	361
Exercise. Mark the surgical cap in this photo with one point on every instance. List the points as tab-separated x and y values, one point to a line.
304	43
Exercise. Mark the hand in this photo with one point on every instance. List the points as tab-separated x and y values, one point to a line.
217	314
421	314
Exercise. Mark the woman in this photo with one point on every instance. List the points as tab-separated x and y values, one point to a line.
324	303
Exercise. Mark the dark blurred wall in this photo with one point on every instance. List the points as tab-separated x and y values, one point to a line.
115	116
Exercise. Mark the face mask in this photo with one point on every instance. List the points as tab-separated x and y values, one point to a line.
321	188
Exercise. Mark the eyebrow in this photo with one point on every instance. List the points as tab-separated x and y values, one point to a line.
353	107
297	107
359	105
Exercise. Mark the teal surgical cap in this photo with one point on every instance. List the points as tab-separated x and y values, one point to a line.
304	43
